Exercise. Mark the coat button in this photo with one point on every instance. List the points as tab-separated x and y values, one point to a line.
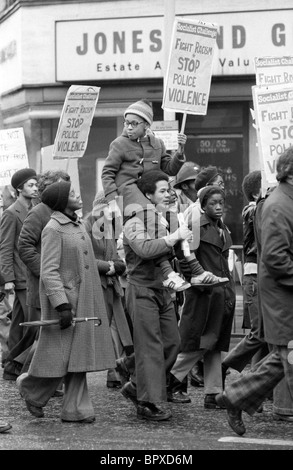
83	238
85	252
87	266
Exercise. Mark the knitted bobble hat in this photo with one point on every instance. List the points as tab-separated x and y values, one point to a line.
56	195
22	176
141	109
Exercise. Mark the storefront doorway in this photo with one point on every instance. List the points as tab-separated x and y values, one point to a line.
220	139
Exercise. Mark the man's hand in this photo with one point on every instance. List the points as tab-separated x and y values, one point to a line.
182	138
9	287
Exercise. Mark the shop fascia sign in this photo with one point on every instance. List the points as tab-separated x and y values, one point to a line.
129	48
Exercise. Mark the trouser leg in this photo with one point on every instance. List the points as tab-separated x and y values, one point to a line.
184	363
76	404
212	372
37	390
249	391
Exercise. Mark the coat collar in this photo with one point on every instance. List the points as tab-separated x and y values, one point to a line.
21	209
287	189
211	236
151	138
63	219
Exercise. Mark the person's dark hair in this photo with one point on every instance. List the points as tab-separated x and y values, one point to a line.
251	184
209	191
49	177
147	184
285	165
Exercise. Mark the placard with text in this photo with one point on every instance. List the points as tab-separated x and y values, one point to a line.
75	122
189	71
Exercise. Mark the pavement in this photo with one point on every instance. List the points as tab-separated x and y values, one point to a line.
117	431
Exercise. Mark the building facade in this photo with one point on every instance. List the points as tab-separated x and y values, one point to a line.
121	46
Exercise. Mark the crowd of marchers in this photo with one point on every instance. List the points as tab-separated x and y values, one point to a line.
141	286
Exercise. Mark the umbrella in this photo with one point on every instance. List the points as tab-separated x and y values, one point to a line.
56	322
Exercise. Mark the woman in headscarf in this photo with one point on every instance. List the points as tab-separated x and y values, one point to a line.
70	288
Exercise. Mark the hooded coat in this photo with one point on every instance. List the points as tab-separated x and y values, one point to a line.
69	275
129	159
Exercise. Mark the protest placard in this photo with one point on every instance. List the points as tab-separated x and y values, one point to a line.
273	70
189	71
273	107
75	121
13	153
168	132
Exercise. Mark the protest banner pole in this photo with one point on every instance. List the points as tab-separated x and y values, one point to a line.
183	123
169	16
67	165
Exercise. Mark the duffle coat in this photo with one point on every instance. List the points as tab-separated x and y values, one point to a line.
69	275
128	159
207	315
275	274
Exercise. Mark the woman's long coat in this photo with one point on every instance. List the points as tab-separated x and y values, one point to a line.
69	275
275	274
207	315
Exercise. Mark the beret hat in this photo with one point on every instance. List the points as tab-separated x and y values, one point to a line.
205	176
22	176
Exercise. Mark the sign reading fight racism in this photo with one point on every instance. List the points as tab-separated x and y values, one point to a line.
75	122
274	70
188	78
13	153
273	107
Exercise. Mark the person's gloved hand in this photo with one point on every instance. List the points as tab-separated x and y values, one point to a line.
65	315
120	267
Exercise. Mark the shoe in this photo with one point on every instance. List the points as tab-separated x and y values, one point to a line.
9	376
58	394
196	377
129	392
122	369
89	420
151	412
234	414
178	397
278	417
175	282
4	427
36	411
210	402
259	409
198	281
114	384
